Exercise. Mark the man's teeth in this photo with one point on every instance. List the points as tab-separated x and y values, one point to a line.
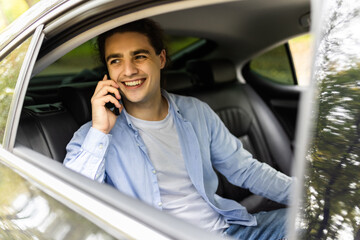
133	83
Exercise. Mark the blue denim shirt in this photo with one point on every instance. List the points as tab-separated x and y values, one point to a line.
121	159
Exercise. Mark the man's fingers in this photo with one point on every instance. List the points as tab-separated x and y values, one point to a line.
105	82
107	90
102	100
109	98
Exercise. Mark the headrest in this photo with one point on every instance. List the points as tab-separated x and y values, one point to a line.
177	81
211	72
77	99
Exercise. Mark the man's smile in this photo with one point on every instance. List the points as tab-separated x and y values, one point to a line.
134	83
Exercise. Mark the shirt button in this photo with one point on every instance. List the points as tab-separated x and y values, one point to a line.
160	204
153	171
101	146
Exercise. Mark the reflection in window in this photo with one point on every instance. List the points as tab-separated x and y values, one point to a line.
28	213
9	72
331	208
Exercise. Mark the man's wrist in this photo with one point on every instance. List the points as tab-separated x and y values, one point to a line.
96	142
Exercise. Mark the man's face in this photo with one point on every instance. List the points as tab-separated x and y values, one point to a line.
134	65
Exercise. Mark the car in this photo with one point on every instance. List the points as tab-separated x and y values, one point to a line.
244	58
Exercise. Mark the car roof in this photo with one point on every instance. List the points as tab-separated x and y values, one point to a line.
242	29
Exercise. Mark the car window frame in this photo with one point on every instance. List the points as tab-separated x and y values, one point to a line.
82	184
20	88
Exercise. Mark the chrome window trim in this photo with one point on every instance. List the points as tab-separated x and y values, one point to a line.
20	88
56	53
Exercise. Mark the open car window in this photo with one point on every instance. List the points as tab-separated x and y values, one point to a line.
287	64
207	67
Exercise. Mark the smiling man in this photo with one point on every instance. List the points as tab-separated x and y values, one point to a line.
162	148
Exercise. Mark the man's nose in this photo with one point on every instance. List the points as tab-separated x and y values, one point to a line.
130	68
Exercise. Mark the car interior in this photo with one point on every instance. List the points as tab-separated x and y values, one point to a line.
215	67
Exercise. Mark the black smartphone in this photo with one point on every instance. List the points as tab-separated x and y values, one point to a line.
110	105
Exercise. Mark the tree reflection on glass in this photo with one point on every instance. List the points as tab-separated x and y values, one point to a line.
28	213
9	72
332	183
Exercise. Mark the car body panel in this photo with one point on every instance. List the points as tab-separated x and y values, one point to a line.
328	201
26	212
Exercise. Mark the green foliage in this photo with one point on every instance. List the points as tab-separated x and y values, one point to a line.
333	186
274	65
9	72
10	10
178	43
83	57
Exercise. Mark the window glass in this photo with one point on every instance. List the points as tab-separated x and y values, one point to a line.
80	58
9	72
27	211
301	52
10	10
274	65
86	56
178	43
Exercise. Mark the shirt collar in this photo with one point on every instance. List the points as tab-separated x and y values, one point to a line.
173	108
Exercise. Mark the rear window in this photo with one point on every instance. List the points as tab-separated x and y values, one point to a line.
86	57
287	64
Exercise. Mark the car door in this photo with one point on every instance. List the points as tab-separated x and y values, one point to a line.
27	211
39	197
329	200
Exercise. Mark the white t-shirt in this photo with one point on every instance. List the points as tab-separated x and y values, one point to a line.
178	195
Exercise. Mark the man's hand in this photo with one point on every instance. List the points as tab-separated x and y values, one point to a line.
102	118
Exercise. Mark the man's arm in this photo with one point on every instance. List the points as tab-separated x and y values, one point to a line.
86	152
241	169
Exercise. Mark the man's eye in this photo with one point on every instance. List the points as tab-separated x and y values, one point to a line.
140	57
114	61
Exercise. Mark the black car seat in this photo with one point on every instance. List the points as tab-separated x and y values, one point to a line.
247	117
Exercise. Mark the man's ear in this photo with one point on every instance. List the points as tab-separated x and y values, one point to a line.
162	56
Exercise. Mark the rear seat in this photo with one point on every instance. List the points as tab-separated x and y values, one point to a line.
46	128
242	111
248	118
240	108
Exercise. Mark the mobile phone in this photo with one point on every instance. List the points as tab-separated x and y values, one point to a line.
112	107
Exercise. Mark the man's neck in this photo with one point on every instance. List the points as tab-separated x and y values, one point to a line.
155	110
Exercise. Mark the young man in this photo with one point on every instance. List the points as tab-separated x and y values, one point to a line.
162	147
